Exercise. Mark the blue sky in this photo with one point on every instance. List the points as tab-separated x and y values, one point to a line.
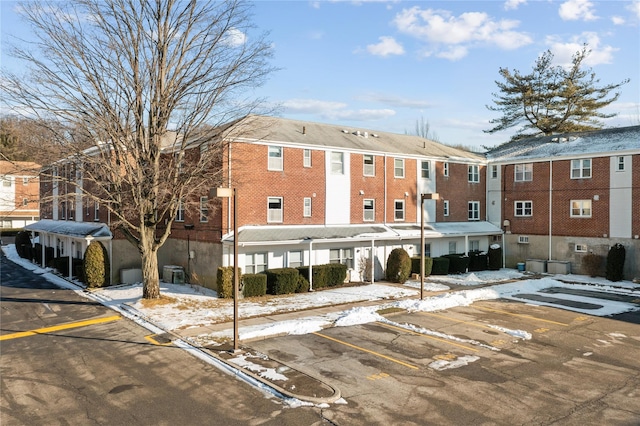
383	65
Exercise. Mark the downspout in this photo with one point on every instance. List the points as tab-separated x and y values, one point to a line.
310	265
373	263
550	204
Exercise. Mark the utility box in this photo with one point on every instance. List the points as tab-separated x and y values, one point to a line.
537	266
173	274
558	267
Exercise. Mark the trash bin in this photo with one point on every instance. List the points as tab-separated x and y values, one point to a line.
521	266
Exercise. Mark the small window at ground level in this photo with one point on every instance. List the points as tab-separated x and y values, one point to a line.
581	248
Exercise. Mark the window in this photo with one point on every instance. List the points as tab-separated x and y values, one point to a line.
63	208
398	167
274	206
524	172
25	181
620	164
6	182
25	201
204	209
295	259
425	172
494	172
524	208
306	211
368	165
368	207
580	208
523	239
427	249
580	169
446	207
445	169
255	263
96	211
180	212
474	245
275	158
474	174
344	256
306	158
453	247
581	248
337	163
474	210
398	210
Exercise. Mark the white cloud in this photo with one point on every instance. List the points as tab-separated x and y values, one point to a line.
235	37
387	46
574	10
617	20
513	4
334	110
395	101
453	36
564	51
634	7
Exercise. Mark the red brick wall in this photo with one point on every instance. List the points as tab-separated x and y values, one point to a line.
372	186
457	189
536	191
397	187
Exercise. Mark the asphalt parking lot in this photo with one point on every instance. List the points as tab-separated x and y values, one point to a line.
493	362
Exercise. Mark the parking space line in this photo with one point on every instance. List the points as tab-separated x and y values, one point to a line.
397	361
428	337
521	315
475	324
46	330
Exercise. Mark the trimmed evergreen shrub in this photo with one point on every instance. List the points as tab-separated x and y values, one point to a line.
592	264
494	257
37	253
95	265
282	280
415	265
327	275
336	274
398	266
254	285
477	261
303	285
440	266
225	282
458	263
23	244
615	262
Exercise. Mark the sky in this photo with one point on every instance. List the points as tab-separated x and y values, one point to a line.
386	64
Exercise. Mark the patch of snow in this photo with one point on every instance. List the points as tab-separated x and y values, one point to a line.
442	364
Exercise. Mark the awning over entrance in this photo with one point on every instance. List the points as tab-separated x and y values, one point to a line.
72	229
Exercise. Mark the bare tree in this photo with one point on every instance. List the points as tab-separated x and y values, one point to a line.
423	129
145	83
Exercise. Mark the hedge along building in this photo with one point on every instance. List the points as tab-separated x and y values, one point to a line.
561	197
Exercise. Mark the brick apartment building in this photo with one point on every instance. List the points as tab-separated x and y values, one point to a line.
19	193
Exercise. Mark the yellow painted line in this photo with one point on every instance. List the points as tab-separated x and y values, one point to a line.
155	342
59	327
429	337
397	361
521	315
475	324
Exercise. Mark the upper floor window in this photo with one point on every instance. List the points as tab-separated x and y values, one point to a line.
274	207
398	210
425	170
474	173
494	171
398	167
445	205
581	169
6	181
368	207
337	163
306	209
524	208
524	172
445	169
474	210
25	201
275	158
580	208
25	181
180	212
96	211
306	158
255	263
620	164
368	167
204	209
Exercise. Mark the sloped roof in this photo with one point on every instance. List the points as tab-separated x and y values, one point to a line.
295	132
607	141
71	228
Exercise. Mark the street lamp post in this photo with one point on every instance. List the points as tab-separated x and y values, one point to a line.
433	196
231	194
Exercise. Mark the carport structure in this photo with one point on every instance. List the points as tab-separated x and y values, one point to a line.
68	238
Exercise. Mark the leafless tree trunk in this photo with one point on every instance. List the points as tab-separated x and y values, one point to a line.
146	83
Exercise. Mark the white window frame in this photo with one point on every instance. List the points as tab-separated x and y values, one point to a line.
369	213
494	171
306	207
621	164
398	168
25	181
96	211
368	169
473	173
250	263
581	248
306	158
204	209
522	206
25	201
425	170
453	247
445	169
474	245
180	212
473	210
445	205
523	239
275	158
581	207
7	181
396	210
337	163
342	255
581	169
523	172
275	215
292	262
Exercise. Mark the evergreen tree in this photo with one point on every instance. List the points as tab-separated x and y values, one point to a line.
552	99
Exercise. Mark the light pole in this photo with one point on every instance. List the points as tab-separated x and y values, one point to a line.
433	196
231	194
